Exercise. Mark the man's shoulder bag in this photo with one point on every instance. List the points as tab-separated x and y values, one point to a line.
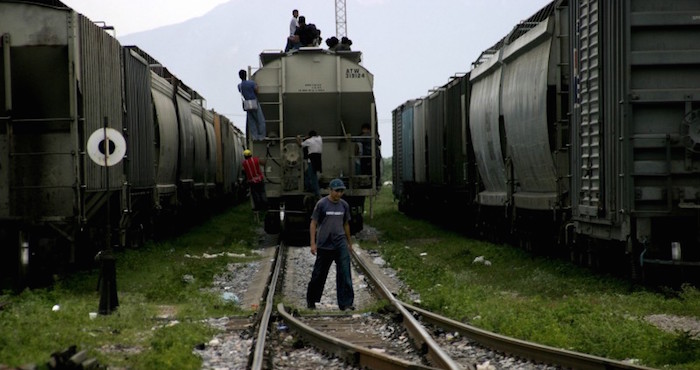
251	104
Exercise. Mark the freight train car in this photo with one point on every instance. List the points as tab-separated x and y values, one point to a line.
582	122
97	142
330	93
519	125
433	155
62	81
635	107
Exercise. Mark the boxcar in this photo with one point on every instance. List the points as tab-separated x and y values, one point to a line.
636	167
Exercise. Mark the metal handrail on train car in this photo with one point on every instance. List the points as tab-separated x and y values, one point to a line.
7	71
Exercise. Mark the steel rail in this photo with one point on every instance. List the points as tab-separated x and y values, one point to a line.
517	347
357	355
513	346
420	336
270	289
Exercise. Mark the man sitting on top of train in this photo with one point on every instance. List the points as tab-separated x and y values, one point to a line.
293	24
313	145
305	35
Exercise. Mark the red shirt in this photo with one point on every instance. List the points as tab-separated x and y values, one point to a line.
251	166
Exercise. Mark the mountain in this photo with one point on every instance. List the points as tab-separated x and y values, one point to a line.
207	52
410	46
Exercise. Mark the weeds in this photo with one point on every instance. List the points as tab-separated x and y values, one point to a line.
149	281
535	298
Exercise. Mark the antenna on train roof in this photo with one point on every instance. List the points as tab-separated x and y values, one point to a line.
341	24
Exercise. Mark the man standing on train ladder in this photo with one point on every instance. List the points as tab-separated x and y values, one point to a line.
256	180
330	242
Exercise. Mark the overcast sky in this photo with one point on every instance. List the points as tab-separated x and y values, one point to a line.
129	16
410	46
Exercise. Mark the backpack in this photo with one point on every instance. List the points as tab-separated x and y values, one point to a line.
315	32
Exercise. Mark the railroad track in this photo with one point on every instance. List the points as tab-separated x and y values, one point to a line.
405	341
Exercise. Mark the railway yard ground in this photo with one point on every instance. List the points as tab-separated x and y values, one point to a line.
176	296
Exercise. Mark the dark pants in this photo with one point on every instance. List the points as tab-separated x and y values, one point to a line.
343	277
257	192
255	122
311	180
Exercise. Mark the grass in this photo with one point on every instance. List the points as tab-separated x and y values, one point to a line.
534	298
149	282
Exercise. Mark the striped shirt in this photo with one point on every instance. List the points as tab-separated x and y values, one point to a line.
253	173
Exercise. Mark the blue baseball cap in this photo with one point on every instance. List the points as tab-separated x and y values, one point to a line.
336	184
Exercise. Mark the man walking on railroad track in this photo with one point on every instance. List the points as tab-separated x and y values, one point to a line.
330	242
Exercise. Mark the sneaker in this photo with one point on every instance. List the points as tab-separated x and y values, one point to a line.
311	305
348	308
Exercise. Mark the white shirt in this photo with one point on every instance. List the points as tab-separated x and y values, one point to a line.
314	143
293	26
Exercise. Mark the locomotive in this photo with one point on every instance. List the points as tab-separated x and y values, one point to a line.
99	143
328	92
576	134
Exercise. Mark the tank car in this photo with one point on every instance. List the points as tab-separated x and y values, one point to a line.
97	143
331	93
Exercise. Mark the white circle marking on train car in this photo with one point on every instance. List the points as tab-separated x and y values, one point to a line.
116	144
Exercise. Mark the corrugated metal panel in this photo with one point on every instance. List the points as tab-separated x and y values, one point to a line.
484	124
588	99
200	144
435	127
141	165
218	131
407	146
525	109
419	145
210	176
664	83
186	152
397	163
100	84
455	132
167	142
237	153
230	150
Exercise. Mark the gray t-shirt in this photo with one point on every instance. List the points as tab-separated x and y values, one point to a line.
330	218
